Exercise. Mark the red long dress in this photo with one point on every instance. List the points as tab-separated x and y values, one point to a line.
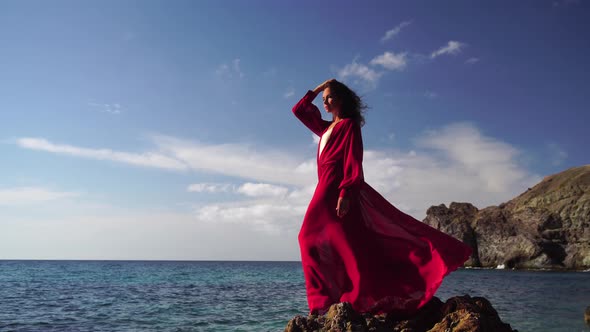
376	257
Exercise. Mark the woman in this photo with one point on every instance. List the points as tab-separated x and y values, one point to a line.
355	246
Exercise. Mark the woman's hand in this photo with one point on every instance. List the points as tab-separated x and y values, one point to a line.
322	86
342	207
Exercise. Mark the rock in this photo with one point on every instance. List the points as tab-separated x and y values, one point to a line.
546	227
456	221
587	315
461	313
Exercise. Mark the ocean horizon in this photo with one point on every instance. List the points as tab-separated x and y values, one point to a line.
236	295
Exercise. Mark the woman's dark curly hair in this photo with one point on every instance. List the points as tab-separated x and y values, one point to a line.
351	104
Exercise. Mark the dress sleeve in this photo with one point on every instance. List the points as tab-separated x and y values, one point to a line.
353	160
309	114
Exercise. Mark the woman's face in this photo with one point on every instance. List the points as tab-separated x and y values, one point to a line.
331	102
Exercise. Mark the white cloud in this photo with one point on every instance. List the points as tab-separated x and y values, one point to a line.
289	93
492	161
393	32
249	189
471	61
453	163
261	190
209	187
236	65
223	69
452	48
231	70
147	159
391	61
271	215
237	160
275	211
307	167
114	108
361	73
31	195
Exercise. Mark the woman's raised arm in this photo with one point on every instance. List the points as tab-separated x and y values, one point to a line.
308	113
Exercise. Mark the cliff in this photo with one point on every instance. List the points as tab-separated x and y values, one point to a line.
546	227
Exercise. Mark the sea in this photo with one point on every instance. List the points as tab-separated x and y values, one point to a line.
242	295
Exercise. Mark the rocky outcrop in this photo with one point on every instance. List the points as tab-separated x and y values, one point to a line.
461	313
546	227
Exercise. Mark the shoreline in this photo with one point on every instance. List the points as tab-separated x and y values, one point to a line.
523	269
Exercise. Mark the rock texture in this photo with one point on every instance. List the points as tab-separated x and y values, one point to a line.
546	227
461	313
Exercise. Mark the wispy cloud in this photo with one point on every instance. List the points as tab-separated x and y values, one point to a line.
147	159
493	162
262	189
360	73
391	61
241	160
31	195
452	48
274	216
230	70
369	77
114	109
395	31
209	187
274	209
236	159
289	93
472	61
248	189
236	66
452	163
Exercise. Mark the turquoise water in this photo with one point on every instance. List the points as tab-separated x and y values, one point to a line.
240	296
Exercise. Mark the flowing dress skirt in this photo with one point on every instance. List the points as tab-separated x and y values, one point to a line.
377	258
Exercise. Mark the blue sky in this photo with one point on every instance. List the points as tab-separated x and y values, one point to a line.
163	129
